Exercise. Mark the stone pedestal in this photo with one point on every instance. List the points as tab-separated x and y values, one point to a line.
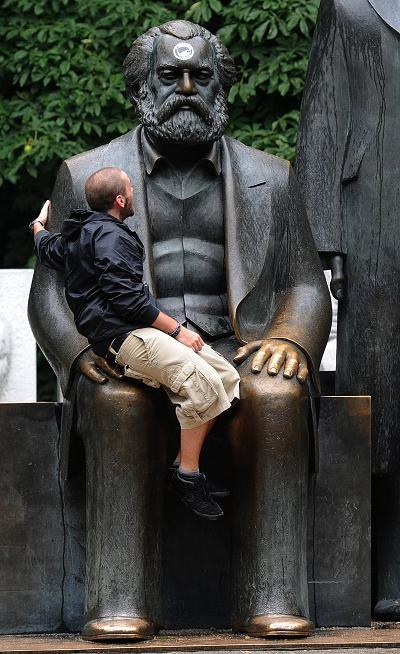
42	529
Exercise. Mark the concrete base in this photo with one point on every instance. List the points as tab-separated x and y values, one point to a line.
42	530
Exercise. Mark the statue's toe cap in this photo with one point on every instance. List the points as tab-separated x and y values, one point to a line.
118	628
278	626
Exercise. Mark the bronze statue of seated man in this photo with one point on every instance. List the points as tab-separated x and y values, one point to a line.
230	255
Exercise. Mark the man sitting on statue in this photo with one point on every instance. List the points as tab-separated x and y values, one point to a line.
102	263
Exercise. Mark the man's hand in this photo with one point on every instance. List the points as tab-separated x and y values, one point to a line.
39	223
278	354
44	212
94	367
191	339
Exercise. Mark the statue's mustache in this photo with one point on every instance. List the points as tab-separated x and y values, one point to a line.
176	102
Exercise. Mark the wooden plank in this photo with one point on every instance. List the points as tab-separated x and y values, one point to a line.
324	639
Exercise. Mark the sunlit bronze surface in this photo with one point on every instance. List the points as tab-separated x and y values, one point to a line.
118	628
277	626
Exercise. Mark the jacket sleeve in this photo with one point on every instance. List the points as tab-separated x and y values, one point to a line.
49	249
324	130
118	261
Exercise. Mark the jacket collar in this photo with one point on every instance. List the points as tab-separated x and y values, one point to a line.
389	11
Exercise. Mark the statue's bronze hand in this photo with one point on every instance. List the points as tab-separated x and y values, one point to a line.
279	353
338	277
93	366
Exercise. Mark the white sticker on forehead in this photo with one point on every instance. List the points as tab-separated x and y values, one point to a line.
183	51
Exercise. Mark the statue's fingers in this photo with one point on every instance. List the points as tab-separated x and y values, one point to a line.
291	367
90	371
302	373
105	367
338	288
245	351
260	358
276	362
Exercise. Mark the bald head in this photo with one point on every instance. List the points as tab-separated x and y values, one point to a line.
102	188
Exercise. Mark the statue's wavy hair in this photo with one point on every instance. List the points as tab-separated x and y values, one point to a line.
137	63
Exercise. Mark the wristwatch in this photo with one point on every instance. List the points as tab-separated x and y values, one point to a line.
36	220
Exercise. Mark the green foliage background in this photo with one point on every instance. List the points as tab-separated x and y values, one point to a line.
61	87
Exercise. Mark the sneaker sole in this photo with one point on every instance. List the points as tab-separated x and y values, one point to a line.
201	515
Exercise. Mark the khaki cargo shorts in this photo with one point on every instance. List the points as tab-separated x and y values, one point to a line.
201	385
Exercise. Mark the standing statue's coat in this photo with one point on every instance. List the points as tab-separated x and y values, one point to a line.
349	172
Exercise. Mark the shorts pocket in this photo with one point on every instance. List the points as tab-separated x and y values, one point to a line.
181	376
197	390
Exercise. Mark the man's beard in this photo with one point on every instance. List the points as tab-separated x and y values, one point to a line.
199	125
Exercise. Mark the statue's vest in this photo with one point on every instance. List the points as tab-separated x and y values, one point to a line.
188	255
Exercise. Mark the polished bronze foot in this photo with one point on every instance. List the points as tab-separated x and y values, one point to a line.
277	626
118	628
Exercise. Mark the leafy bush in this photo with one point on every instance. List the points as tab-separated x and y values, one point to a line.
61	87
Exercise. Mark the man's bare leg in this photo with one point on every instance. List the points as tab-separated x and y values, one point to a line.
189	483
191	443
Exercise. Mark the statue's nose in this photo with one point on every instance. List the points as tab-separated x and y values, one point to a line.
185	84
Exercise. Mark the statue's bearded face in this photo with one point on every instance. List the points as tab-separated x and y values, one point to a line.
182	100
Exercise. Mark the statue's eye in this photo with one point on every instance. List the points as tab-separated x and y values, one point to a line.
203	75
168	75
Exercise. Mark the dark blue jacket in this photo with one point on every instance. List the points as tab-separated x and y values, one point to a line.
102	263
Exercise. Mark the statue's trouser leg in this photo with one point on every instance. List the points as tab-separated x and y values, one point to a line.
124	433
386	539
269	435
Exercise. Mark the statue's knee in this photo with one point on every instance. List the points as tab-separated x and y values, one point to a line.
116	404
273	390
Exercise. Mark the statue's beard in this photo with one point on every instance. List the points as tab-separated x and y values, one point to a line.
194	126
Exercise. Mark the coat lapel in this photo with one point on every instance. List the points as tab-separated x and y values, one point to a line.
246	222
139	222
389	11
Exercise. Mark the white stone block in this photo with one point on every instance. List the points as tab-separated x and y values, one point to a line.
328	362
17	345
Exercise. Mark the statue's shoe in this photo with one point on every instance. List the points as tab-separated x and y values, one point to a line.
277	626
387	610
118	628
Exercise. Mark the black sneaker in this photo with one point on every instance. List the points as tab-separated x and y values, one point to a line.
213	489
195	494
